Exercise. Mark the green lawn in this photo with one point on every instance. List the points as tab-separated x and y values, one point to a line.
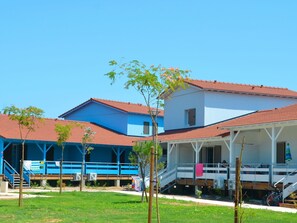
115	207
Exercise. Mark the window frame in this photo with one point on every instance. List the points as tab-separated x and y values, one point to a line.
190	117
146	128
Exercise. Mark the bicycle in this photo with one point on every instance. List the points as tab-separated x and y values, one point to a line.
274	198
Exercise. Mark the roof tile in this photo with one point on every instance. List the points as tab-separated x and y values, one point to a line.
288	113
45	131
127	106
243	88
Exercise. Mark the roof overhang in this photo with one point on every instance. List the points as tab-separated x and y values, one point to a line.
194	140
75	108
261	125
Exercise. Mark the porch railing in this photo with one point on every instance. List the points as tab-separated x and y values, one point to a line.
9	172
253	172
101	168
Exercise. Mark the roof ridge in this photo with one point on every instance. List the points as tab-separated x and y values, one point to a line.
251	85
122	102
56	119
65	120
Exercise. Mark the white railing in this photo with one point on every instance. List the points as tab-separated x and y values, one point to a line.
289	184
253	172
167	177
273	174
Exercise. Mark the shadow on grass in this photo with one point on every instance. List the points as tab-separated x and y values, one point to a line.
128	202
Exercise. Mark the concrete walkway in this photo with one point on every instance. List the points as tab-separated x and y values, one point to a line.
216	202
13	194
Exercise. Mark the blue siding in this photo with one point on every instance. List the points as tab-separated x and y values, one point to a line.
101	154
102	115
33	152
135	124
71	153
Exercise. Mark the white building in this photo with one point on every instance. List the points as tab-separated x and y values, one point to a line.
207	123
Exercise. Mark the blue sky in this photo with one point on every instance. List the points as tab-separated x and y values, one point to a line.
54	54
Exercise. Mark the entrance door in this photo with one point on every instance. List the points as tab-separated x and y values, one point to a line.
281	152
210	154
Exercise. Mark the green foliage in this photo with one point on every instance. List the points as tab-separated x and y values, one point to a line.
96	183
150	81
25	117
63	132
140	153
198	193
87	138
34	184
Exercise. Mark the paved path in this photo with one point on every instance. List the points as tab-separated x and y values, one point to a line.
216	202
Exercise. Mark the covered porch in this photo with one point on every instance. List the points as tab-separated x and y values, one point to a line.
42	161
263	162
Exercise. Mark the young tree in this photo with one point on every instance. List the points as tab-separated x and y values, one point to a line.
27	119
86	149
63	132
140	155
238	187
154	83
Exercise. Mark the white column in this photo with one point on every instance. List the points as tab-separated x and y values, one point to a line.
273	145
168	156
273	136
176	154
196	153
231	148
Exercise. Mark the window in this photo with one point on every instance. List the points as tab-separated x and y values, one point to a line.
281	152
146	128
191	117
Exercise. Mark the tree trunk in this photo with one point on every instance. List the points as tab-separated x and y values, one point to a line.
150	210
82	184
21	175
143	184
61	170
237	188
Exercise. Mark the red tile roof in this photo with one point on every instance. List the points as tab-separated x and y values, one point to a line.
195	133
243	88
123	106
288	113
284	114
45	131
127	106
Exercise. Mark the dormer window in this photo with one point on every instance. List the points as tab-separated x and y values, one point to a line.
190	115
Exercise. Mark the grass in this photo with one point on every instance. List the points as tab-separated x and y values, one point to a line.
115	207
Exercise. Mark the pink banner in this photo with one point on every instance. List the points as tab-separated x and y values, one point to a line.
199	169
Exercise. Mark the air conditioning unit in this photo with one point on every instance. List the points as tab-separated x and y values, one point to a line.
77	177
218	183
231	185
92	176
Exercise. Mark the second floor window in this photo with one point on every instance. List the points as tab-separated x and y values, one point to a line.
191	117
146	128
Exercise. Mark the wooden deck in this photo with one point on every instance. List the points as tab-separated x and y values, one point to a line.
210	183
